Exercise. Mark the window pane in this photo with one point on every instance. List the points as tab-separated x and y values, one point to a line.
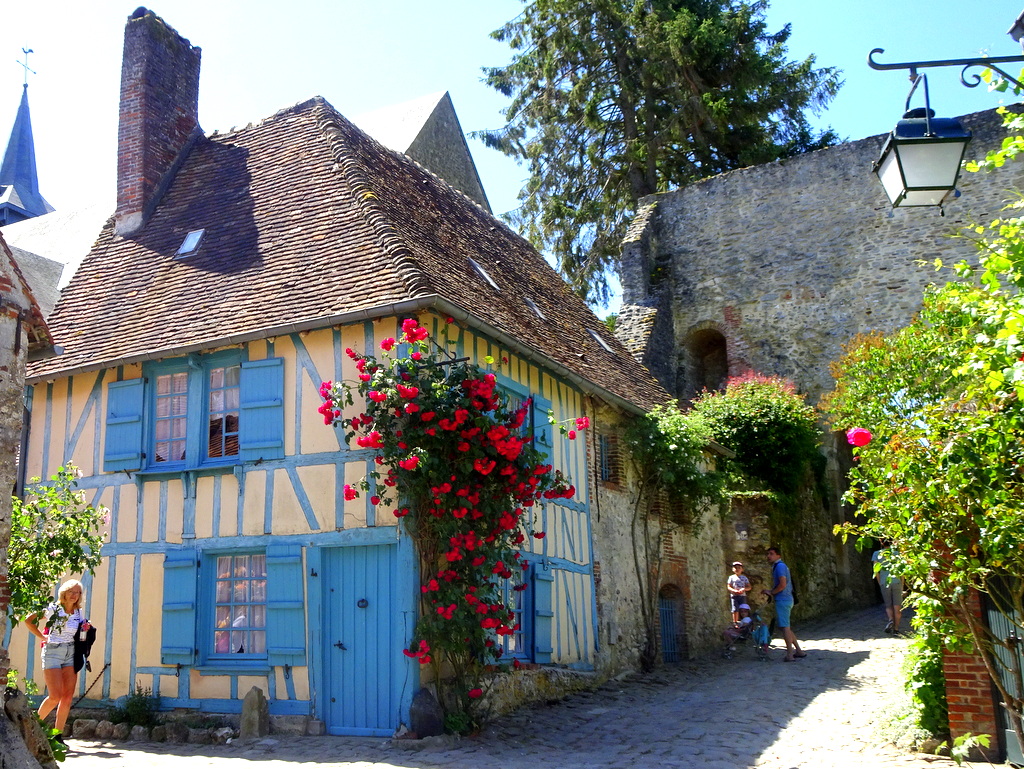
222	407
178	426
163	431
240	612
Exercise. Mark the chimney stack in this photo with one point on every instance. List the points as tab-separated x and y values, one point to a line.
159	115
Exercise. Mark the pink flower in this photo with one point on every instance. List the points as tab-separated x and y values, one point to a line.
415	355
325	389
387	344
377	397
572	435
540	534
410	463
858	436
476	693
582	423
350	493
376	501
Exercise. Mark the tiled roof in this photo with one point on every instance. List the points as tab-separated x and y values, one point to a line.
39	340
309	222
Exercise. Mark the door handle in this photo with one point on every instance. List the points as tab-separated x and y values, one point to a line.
341	646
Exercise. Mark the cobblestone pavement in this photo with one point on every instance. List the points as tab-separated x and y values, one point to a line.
820	712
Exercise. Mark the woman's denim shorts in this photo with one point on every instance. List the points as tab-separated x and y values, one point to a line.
58	656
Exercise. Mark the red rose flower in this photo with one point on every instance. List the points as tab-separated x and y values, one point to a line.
475	693
387	344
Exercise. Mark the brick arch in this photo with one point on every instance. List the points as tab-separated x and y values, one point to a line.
704	360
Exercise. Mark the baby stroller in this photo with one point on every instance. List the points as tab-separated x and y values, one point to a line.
755	633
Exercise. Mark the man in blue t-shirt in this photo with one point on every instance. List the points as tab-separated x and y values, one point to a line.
782	593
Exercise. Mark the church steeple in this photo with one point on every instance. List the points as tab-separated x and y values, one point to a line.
19	185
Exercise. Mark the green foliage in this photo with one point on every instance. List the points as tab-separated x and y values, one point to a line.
138	708
54	532
943	477
27	685
772	431
667	447
964	744
615	100
926	683
55	739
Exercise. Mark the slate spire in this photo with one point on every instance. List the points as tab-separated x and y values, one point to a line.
19	185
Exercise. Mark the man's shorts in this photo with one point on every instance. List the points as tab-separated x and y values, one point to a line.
892	594
782	610
58	656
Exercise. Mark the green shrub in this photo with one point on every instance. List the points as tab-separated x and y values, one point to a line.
136	709
773	432
925	682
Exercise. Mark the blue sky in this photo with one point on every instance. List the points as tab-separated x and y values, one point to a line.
260	56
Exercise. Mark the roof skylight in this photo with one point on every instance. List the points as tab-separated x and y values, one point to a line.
599	339
535	308
483	273
191	242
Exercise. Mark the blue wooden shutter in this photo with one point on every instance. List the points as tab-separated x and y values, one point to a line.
543	613
541	426
286	610
261	417
122	447
178	634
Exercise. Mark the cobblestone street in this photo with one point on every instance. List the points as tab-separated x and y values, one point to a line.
820	712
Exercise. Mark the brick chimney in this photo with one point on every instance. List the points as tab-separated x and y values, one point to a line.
159	117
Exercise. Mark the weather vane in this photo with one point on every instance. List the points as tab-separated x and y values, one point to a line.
28	69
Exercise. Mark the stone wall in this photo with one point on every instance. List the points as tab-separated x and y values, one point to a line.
789	260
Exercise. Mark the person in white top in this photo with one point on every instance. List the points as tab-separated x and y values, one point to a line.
59	649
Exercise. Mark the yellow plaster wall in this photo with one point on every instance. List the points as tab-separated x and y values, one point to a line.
287	512
122	637
318	483
210	687
151	577
151	507
355	509
128	513
255	494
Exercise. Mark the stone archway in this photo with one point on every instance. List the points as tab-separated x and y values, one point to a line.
705	362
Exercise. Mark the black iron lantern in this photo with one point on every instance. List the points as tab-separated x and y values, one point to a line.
921	159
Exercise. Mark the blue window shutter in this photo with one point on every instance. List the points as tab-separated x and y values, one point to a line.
286	610
122	446
543	614
261	417
178	634
541	426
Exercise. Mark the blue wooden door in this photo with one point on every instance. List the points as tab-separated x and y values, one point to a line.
362	643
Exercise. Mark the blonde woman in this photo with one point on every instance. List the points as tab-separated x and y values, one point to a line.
59	649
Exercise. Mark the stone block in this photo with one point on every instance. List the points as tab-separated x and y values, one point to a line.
426	718
222	735
158	733
104	730
199	737
84	728
316	728
176	732
139	734
294	725
121	731
255	715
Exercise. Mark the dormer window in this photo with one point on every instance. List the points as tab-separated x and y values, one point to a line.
191	242
535	308
599	339
482	273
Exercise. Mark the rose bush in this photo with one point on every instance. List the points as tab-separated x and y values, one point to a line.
457	463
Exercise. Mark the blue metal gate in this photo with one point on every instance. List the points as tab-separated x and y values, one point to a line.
667	614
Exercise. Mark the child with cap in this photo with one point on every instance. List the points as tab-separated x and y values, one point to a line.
738	586
740	627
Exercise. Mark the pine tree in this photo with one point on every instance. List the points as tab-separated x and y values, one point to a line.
612	100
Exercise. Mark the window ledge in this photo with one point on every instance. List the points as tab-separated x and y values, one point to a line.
246	668
160	473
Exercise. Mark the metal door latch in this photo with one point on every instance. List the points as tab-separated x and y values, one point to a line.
341	646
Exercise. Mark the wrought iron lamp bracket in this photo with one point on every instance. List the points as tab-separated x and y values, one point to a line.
970	81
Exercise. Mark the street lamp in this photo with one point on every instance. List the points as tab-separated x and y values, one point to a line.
921	158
